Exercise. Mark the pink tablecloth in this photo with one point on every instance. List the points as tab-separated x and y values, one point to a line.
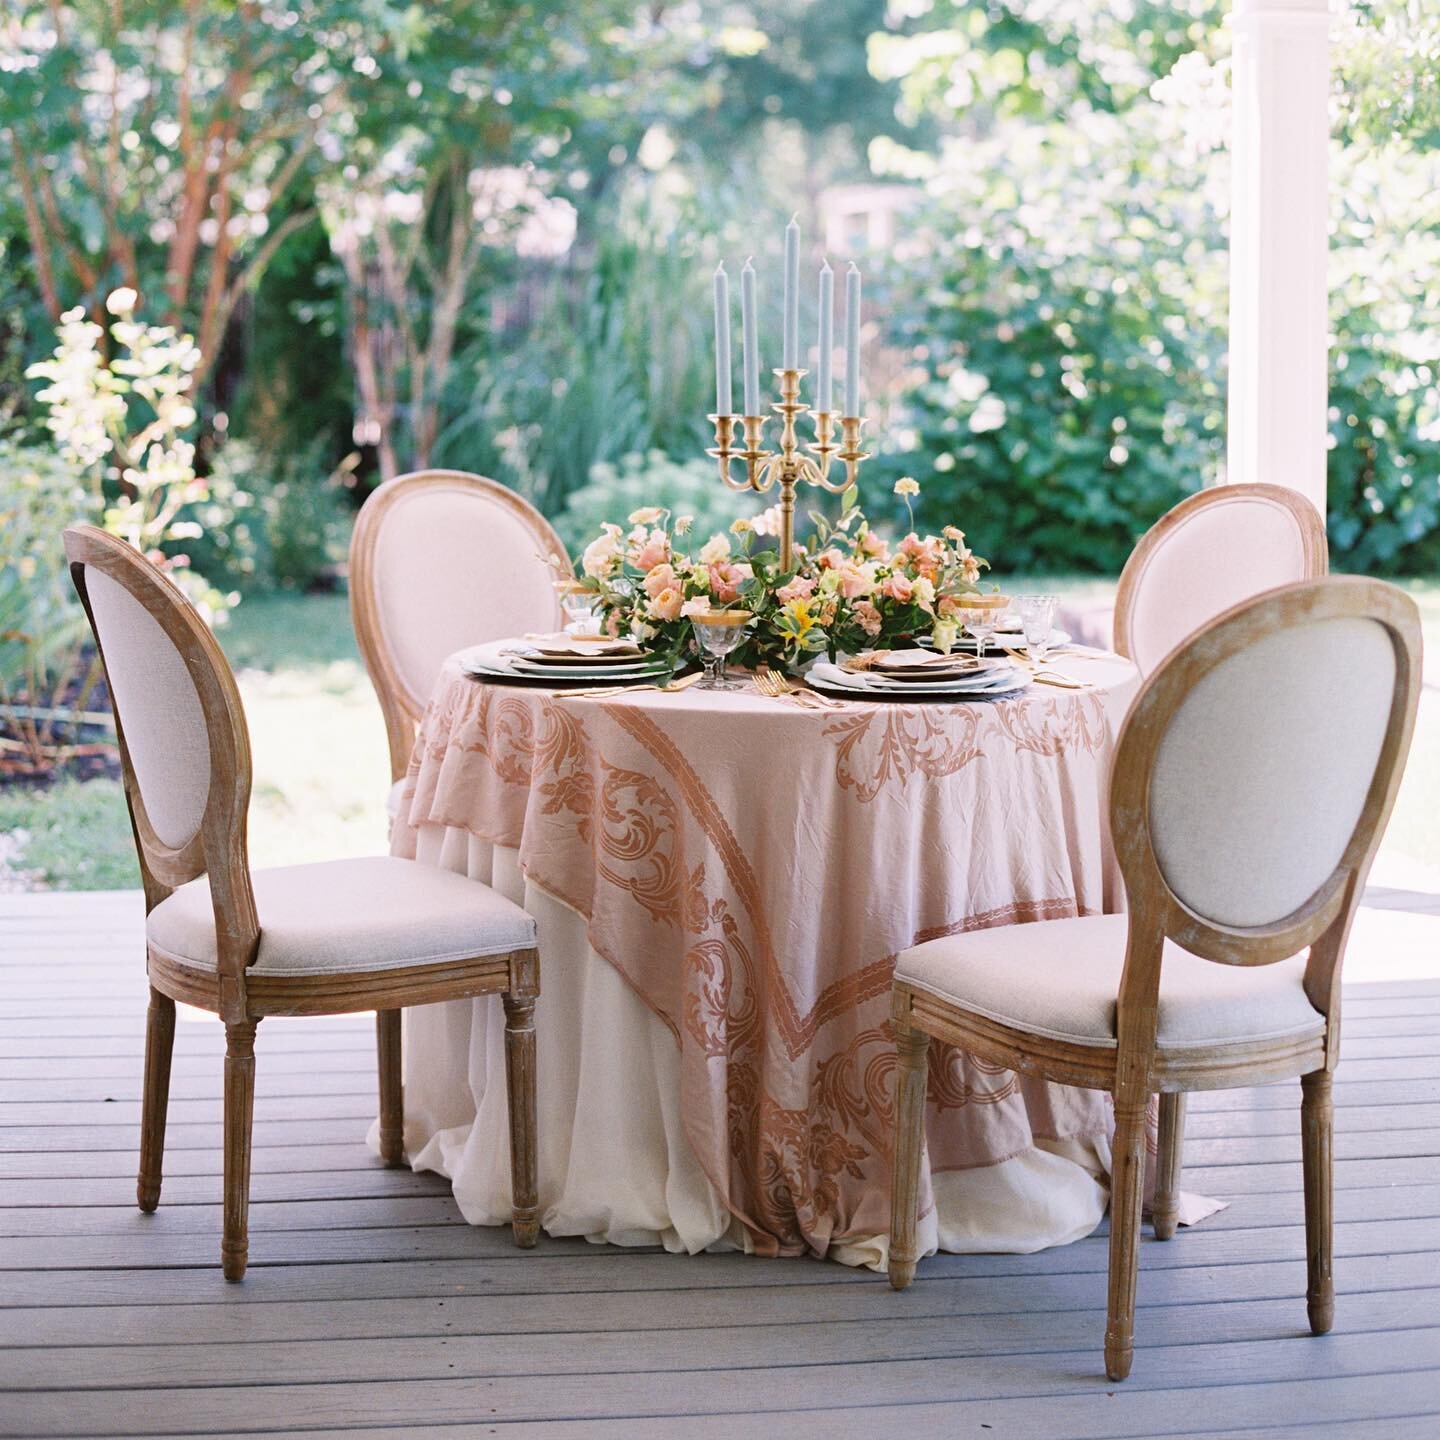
750	868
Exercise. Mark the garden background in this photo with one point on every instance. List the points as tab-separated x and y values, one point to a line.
480	235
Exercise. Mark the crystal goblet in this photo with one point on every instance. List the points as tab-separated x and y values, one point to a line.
1037	619
718	633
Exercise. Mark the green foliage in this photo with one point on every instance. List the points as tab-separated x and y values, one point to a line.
683	487
1068	340
616	363
42	627
77	834
271	520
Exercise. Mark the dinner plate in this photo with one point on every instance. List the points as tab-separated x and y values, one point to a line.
492	662
521	666
839	682
929	669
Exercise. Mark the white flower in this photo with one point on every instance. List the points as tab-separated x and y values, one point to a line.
715	549
122	301
648	515
683	524
700	605
768	521
924	594
600	555
907	485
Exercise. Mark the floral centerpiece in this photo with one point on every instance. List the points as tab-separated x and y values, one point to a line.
849	590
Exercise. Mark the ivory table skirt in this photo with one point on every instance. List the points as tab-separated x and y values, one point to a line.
721	883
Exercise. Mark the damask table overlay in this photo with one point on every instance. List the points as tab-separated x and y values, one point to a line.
752	868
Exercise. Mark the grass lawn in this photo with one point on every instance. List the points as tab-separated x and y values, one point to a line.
322	769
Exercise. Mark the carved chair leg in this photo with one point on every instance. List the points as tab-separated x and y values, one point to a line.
1127	1186
520	1079
239	1111
159	1043
392	1093
1317	1151
1164	1211
913	1049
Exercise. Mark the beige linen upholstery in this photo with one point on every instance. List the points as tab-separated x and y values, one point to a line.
158	707
455	568
1060	978
1265	766
350	915
1213	551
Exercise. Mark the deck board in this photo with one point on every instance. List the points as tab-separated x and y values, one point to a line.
371	1307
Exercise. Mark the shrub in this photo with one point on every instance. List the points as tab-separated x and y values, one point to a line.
684	487
45	666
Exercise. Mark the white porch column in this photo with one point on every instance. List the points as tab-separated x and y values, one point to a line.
1278	243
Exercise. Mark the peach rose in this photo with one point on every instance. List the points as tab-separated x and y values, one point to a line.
648	551
874	545
662	577
855	580
800	588
666	605
830	559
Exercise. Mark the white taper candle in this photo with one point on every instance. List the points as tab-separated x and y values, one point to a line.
722	340
750	340
790	348
825	362
852	340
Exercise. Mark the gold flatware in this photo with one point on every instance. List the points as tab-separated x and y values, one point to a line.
775	686
670	688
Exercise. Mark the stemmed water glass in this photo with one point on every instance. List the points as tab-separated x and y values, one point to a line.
578	604
981	623
719	632
1037	618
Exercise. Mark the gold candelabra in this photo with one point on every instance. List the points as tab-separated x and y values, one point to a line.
788	466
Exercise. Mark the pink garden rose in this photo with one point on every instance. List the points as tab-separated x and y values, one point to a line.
662	577
899	588
868	616
873	545
830	559
666	605
800	588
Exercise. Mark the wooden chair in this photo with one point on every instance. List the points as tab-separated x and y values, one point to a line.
1253	779
440	560
373	934
1214	549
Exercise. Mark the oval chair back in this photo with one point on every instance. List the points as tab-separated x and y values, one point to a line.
439	560
184	746
1213	550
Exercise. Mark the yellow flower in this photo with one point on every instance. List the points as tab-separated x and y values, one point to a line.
741	527
907	485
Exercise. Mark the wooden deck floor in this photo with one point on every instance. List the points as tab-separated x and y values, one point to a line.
371	1306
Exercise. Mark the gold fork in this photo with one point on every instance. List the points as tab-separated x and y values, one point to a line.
669	688
1043	675
779	687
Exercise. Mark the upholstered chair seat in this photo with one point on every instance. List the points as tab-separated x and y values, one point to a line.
1061	979
343	916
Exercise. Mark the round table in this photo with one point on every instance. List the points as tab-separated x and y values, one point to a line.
721	883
